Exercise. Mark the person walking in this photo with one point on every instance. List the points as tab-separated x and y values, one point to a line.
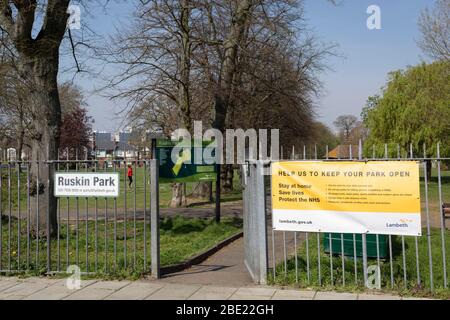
130	176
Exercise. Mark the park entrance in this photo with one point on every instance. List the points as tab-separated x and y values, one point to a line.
107	223
118	236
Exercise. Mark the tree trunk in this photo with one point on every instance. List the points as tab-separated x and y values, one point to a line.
227	177
46	113
178	196
202	190
184	99
224	89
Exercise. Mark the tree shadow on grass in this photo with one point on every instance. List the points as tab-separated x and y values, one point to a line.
445	180
234	222
181	225
5	218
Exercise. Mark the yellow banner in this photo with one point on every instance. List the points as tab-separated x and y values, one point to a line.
347	186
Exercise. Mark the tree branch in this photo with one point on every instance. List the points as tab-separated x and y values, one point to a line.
55	23
24	23
6	19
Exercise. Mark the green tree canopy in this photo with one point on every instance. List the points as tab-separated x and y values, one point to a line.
414	108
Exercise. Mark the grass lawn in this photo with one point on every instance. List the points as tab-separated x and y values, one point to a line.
409	288
180	239
433	190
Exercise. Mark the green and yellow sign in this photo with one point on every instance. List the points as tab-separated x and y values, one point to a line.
377	197
185	161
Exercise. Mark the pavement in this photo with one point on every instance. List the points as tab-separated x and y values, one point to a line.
221	277
225	268
56	289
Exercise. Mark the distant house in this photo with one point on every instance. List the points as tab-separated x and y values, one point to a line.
102	144
10	154
121	144
8	149
344	152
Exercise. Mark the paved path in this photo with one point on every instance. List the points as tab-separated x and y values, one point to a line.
225	267
232	209
56	289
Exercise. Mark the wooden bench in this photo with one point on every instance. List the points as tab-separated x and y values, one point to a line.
445	212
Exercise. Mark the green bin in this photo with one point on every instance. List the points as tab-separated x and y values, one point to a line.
371	241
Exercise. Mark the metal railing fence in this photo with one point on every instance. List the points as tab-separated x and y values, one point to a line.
411	262
99	235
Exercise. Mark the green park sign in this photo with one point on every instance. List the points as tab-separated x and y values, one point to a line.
186	168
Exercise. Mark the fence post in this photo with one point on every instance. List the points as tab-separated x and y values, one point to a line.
217	199
261	222
255	225
363	236
48	199
154	219
441	213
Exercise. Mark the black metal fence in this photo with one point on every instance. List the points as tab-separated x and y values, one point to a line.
406	263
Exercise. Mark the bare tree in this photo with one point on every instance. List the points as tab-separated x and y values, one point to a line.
358	133
277	80
266	66
229	63
345	124
435	29
165	61
14	108
225	33
157	49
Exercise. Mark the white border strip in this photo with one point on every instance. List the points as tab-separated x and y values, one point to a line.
394	223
